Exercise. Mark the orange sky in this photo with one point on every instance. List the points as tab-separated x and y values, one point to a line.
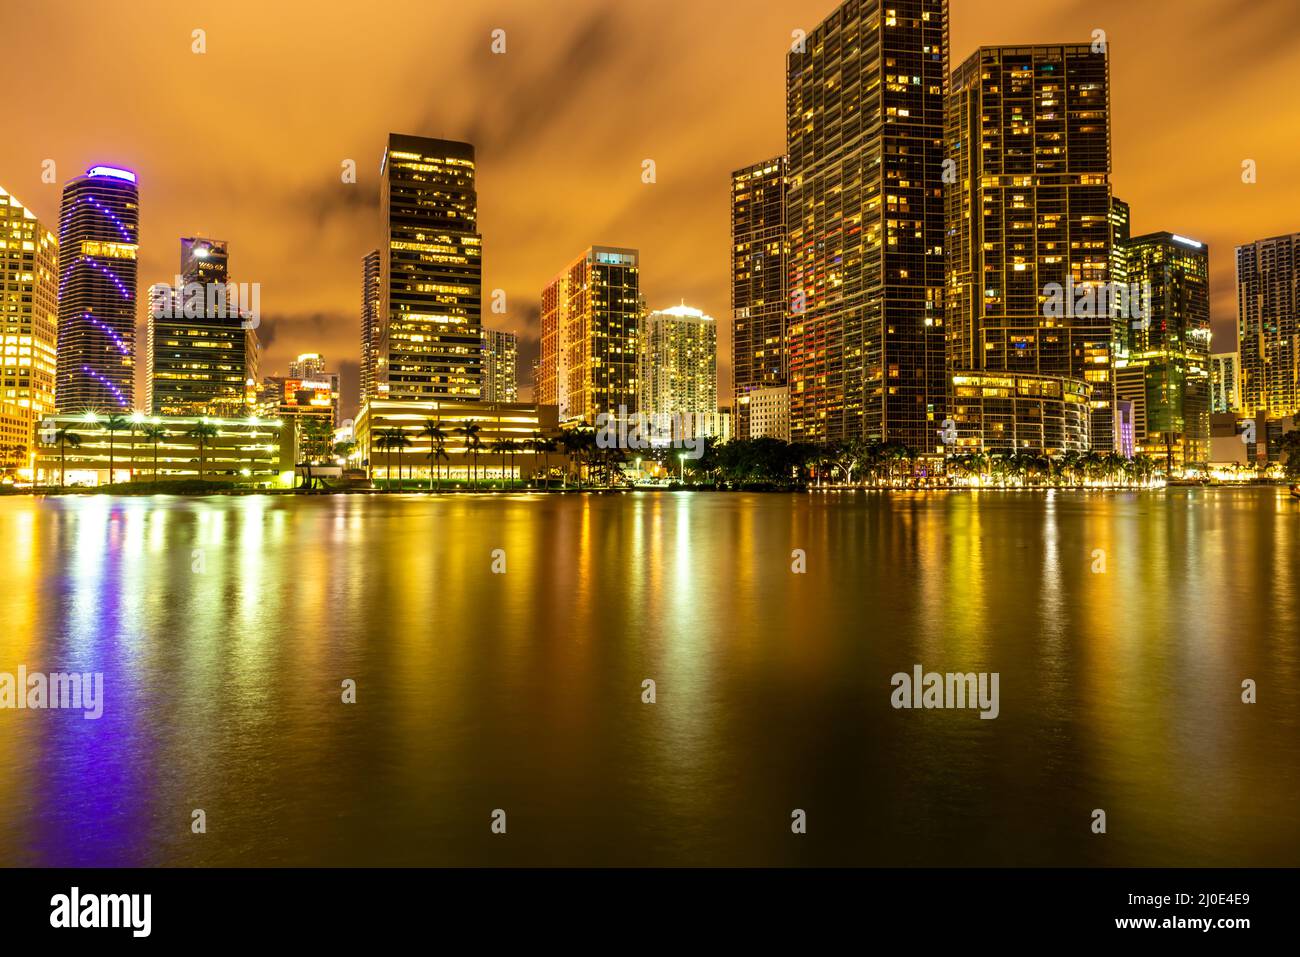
245	142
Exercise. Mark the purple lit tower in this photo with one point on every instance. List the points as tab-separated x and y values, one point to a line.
99	233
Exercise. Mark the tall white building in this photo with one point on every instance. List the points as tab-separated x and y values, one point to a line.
500	357
677	351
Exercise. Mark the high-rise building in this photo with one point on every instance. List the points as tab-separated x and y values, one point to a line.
590	315
371	277
99	230
769	413
758	283
1225	382
678	377
500	357
202	347
865	218
427	342
1268	325
1030	220
29	318
1165	369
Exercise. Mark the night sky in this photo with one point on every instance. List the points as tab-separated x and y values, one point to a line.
245	142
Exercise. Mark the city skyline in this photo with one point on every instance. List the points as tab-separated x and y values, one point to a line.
1176	173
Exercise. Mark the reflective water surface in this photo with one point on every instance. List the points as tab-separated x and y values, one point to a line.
225	627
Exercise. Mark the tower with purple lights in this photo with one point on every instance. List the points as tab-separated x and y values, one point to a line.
99	229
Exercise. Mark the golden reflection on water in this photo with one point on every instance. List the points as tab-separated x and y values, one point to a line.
226	627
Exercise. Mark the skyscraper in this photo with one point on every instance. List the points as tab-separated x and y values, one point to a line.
1030	213
201	350
678	379
864	211
1165	369
29	277
758	283
500	356
1268	325
590	315
99	229
427	342
371	273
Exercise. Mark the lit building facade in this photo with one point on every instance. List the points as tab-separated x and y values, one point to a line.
99	230
1225	382
758	283
1268	325
426	339
243	451
1021	412
500	359
1031	210
769	413
29	323
202	350
516	423
678	377
1165	369
590	315
865	220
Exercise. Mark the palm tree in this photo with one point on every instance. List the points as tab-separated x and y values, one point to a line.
203	431
508	447
571	439
472	444
112	425
398	440
437	449
381	440
154	433
65	437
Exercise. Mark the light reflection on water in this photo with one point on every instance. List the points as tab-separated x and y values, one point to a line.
224	628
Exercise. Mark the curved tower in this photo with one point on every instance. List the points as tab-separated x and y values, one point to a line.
99	229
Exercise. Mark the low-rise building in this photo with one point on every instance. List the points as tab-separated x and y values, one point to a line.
80	450
414	452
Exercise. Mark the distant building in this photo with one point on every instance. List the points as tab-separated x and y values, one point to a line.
758	283
1031	212
29	329
425	341
500	358
202	348
590	315
1225	381
1165	371
1268	325
678	376
769	413
99	235
370	283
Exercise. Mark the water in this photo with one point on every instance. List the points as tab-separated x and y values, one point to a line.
225	627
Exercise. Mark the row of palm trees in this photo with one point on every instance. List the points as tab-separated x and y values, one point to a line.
579	447
152	432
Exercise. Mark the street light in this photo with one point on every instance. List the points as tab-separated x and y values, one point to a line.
681	458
